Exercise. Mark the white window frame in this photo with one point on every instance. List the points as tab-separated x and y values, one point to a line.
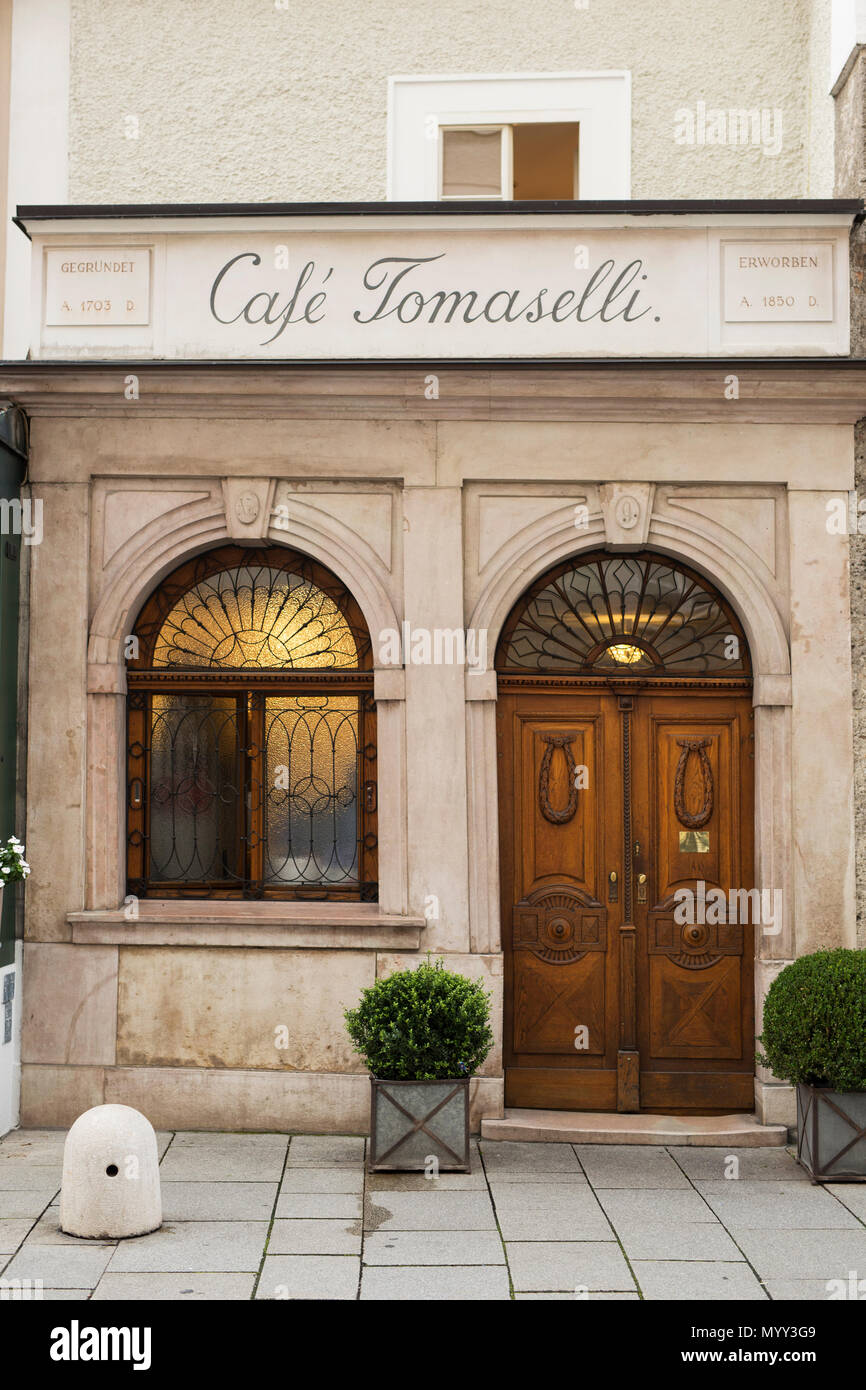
420	106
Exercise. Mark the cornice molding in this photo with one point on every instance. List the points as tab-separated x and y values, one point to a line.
809	392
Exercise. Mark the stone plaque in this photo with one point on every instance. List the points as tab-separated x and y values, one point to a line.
97	285
777	281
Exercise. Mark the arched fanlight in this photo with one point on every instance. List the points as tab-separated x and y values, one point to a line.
627	615
268	609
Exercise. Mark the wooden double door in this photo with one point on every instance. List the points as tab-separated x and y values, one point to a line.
611	803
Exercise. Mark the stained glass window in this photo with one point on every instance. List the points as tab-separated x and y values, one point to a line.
636	615
252	733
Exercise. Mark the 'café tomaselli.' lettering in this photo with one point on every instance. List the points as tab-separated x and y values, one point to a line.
610	292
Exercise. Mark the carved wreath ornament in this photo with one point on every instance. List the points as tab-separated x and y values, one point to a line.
698	819
563	741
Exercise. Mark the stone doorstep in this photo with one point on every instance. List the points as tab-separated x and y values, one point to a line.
594	1127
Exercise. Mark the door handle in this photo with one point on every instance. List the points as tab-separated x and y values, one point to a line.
612	887
641	888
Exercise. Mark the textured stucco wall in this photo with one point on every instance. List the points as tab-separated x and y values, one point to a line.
237	99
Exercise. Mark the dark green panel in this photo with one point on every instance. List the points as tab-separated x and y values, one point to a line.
10	568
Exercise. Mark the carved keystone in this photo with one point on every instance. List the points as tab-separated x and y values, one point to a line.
248	506
626	508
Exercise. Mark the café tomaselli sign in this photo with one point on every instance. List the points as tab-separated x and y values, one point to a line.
450	578
540	285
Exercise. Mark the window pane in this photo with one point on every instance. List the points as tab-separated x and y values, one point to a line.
545	160
311	816
471	163
255	616
624	613
194	789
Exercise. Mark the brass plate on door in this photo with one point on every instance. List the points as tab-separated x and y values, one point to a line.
694	842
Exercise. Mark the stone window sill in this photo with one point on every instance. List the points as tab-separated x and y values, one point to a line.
171	922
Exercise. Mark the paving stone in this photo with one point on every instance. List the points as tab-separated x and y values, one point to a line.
25	1201
225	1247
65	1295
346	1205
803	1254
309	1276
47	1231
433	1283
433	1248
504	1156
21	1176
180	1288
620	1296
802	1290
12	1232
223	1139
634	1166
32	1138
418	1182
777	1206
753	1165
693	1240
646	1208
851	1194
193	1163
432	1211
323	1180
563	1266
325	1150
218	1201
60	1266
515	1179
697	1280
535	1213
41	1153
317	1237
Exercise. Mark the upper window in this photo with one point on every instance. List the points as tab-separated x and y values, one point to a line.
523	162
510	136
624	615
252	733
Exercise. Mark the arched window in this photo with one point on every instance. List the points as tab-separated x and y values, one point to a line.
251	733
638	615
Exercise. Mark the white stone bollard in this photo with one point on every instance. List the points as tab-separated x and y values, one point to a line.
110	1185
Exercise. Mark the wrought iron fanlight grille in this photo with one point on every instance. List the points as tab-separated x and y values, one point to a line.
623	616
252	733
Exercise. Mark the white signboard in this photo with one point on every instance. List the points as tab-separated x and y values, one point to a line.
778	281
97	284
428	293
430	287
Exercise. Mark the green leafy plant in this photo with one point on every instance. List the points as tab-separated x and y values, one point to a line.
426	1024
13	866
815	1021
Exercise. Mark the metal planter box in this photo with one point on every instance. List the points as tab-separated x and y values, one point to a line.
831	1133
414	1121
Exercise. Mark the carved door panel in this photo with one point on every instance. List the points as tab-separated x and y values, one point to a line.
559	761
692	793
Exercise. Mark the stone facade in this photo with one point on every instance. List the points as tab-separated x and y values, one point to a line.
176	1011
